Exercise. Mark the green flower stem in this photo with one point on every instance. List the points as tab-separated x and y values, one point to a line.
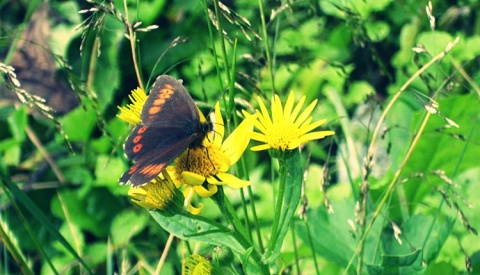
255	220
226	208
288	197
239	232
278	206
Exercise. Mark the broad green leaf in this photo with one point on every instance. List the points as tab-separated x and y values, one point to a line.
73	234
407	40
17	122
332	236
96	252
466	49
107	73
108	170
196	229
143	11
377	30
443	148
400	264
357	93
416	234
79	123
91	212
126	225
435	42
441	268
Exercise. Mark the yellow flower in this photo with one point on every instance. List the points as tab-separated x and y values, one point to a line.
287	128
160	193
132	112
201	169
197	265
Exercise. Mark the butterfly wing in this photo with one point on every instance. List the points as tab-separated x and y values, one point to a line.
169	104
169	124
152	149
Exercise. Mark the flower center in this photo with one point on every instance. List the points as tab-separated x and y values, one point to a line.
280	135
204	161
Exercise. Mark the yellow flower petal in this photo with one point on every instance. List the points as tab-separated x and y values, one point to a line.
237	141
261	147
309	127
316	135
195	210
277	110
297	109
193	178
219	126
306	113
258	137
264	116
288	108
230	180
132	112
204	192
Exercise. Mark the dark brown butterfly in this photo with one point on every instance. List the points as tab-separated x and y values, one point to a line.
170	123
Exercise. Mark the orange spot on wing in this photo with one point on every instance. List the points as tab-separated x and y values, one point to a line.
152	169
133	169
137	148
154	110
164	96
137	139
159	102
141	130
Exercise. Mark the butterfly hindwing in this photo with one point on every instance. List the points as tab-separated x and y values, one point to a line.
152	162
144	139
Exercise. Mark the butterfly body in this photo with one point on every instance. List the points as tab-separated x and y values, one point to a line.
170	123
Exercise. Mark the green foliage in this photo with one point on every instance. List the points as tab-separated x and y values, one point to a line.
394	191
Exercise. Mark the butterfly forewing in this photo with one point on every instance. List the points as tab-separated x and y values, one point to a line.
169	104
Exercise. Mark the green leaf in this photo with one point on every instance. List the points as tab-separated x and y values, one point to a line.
17	121
79	123
407	40
435	42
91	212
125	225
108	170
377	30
442	268
196	228
443	149
416	234
402	264
333	238
357	93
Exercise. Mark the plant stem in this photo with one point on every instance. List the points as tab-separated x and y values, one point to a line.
278	206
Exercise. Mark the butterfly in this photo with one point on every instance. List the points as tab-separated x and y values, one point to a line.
170	123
